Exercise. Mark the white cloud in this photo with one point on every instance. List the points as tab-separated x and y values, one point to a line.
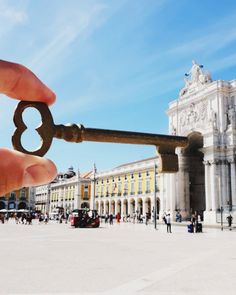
10	16
66	34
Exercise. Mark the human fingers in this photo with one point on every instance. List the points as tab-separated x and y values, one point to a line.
20	170
18	82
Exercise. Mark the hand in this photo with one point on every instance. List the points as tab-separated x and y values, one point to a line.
17	169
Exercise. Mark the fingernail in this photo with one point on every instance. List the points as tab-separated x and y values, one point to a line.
28	180
35	175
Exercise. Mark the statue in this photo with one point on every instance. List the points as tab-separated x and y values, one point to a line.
196	77
195	72
230	115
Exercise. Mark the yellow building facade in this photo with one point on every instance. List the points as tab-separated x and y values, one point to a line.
69	191
130	189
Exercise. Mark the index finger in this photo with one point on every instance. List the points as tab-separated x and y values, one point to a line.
18	82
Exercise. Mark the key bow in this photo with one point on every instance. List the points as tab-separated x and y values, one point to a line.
45	130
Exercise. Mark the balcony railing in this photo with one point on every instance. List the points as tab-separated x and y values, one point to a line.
140	192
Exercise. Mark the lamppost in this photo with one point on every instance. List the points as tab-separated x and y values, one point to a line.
155	198
94	184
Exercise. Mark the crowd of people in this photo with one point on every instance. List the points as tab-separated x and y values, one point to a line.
133	218
28	217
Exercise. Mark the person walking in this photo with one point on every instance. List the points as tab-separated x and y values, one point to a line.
168	223
147	218
118	217
111	219
229	219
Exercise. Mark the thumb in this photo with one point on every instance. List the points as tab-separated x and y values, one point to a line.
20	170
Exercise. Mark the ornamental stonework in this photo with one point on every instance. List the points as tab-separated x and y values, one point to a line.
195	116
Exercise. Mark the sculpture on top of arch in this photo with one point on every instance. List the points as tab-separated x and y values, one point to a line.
194	78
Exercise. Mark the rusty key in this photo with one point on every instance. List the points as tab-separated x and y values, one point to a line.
165	144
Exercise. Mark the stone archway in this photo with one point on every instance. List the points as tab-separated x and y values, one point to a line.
125	208
107	208
193	165
132	207
118	206
102	208
22	205
85	205
147	205
2	205
140	206
112	207
96	205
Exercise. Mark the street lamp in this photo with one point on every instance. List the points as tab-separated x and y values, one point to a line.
155	198
94	183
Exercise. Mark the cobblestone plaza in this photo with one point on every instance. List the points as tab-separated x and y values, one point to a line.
124	258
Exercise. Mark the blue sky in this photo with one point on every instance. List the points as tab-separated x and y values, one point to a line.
113	64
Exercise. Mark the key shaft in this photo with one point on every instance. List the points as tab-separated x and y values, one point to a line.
78	133
165	144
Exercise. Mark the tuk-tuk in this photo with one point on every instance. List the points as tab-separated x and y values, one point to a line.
85	218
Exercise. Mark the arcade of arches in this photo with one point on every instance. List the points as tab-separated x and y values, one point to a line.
126	207
14	200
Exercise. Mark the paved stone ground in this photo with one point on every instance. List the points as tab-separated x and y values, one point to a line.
119	259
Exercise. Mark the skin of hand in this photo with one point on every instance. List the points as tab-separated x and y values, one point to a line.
19	170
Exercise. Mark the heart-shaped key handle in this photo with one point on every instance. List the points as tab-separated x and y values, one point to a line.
45	130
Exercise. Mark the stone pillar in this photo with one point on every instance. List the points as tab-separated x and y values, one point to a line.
162	197
186	192
172	197
98	208
214	194
224	183
128	202
167	192
144	206
233	182
92	199
76	196
207	186
180	191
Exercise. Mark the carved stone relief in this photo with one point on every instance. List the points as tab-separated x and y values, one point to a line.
195	116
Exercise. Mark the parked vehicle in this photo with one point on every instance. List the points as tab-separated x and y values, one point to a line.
85	218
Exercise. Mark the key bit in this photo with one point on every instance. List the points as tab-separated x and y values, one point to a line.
165	144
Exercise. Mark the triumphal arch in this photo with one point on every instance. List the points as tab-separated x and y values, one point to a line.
205	112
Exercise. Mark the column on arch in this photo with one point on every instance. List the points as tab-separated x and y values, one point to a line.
182	187
162	194
214	185
172	197
233	183
207	186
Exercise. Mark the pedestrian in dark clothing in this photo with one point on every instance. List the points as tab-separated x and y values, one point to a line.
229	219
147	218
168	223
111	219
106	218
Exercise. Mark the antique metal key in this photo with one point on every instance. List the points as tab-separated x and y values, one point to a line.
165	144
